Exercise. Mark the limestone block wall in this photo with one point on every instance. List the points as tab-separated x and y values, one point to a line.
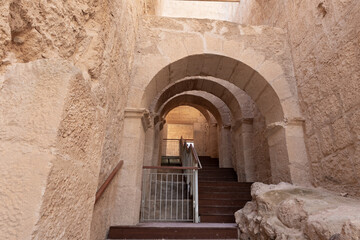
45	152
64	170
324	37
67	200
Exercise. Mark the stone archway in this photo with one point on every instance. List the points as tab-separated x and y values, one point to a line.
279	107
255	59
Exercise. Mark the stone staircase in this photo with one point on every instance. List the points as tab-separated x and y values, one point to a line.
220	196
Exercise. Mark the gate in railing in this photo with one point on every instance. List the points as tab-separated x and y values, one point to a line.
171	193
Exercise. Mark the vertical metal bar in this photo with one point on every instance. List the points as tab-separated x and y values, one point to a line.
187	198
149	210
160	196
143	195
156	176
166	194
182	197
177	195
196	197
171	195
193	195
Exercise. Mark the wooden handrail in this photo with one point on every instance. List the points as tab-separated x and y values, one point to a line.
103	187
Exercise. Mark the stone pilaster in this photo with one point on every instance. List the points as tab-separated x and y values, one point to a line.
127	200
225	160
288	156
243	131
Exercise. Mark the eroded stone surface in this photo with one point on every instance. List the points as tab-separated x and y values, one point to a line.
47	123
324	38
286	211
91	36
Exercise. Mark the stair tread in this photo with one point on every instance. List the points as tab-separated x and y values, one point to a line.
217	214
220	195
174	231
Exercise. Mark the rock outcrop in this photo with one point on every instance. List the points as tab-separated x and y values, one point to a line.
285	211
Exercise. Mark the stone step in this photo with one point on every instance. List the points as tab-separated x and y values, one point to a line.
225	195
217	218
224	202
217	179
174	231
217	209
225	188
219	183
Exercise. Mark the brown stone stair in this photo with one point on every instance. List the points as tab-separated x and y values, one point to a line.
175	231
220	195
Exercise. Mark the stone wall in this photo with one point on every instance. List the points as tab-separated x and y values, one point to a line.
47	159
260	149
93	43
324	37
116	76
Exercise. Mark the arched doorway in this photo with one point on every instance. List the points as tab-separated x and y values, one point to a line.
262	72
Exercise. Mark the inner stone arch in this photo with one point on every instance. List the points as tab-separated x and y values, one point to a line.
284	122
193	100
187	121
269	95
203	85
221	114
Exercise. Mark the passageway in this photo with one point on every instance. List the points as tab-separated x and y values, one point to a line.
241	84
126	113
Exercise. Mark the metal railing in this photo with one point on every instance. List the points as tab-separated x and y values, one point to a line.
171	193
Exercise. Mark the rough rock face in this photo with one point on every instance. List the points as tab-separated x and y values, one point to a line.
97	38
285	211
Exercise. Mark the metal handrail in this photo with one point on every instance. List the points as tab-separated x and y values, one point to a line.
192	150
196	156
166	167
195	183
107	182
